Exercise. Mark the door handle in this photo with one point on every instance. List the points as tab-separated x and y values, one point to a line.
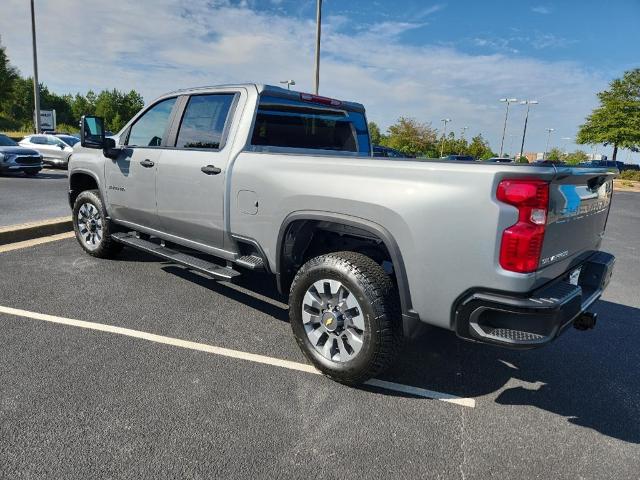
210	170
147	163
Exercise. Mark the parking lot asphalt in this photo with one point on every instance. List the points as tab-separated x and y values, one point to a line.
79	403
27	199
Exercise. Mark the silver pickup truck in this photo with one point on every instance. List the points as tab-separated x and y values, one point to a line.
234	178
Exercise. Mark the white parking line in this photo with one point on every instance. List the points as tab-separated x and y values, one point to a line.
225	352
37	223
36	241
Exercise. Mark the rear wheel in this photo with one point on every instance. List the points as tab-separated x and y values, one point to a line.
92	227
345	315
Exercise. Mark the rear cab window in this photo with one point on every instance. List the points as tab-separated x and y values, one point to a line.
287	123
205	121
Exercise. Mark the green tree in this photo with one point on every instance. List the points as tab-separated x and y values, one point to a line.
576	157
117	107
555	155
617	120
17	105
411	137
83	105
20	105
52	101
8	76
374	133
479	148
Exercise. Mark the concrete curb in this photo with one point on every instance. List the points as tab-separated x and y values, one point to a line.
28	231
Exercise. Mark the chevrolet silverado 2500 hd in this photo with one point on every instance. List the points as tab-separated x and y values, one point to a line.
250	177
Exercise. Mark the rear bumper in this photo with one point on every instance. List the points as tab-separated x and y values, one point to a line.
536	319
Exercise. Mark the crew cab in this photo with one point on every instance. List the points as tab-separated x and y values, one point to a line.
229	179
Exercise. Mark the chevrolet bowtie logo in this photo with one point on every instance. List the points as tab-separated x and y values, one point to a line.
328	321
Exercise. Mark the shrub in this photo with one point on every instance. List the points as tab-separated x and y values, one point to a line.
630	175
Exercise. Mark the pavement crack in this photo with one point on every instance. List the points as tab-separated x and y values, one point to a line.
463	433
463	443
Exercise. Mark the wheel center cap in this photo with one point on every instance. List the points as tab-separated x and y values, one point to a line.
330	321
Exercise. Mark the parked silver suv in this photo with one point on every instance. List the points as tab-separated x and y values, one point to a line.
54	150
368	249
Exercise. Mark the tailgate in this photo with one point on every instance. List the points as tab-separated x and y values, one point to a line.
579	201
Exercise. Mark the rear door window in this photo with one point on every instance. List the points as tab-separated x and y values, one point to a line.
289	123
149	130
204	120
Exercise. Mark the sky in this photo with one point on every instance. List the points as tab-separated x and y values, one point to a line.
422	59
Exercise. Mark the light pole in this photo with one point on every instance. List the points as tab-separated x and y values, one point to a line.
36	85
549	130
464	129
508	101
528	103
444	134
566	142
288	83
511	137
318	34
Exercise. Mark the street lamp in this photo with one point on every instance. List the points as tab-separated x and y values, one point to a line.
318	33
528	103
508	101
288	83
464	129
444	134
566	140
549	131
36	85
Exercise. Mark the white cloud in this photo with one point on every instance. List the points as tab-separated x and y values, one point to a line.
155	46
430	10
541	9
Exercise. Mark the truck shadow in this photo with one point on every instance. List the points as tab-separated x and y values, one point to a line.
591	378
256	291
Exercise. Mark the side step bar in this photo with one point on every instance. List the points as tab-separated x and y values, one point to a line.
194	263
252	262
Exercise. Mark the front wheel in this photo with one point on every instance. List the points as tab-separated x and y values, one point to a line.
92	227
345	315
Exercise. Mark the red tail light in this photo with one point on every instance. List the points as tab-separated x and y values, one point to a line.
307	97
522	242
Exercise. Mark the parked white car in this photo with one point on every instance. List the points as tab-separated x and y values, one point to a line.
54	150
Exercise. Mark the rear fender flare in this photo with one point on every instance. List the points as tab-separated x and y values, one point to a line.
371	227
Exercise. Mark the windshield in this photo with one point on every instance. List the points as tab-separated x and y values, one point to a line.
7	142
71	141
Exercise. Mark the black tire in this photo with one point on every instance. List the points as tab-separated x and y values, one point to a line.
378	298
31	173
106	247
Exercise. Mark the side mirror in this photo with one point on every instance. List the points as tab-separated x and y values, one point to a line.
110	149
92	132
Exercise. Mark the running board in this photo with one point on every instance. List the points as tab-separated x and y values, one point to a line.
194	263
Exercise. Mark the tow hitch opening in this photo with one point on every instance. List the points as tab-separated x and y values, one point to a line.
586	321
